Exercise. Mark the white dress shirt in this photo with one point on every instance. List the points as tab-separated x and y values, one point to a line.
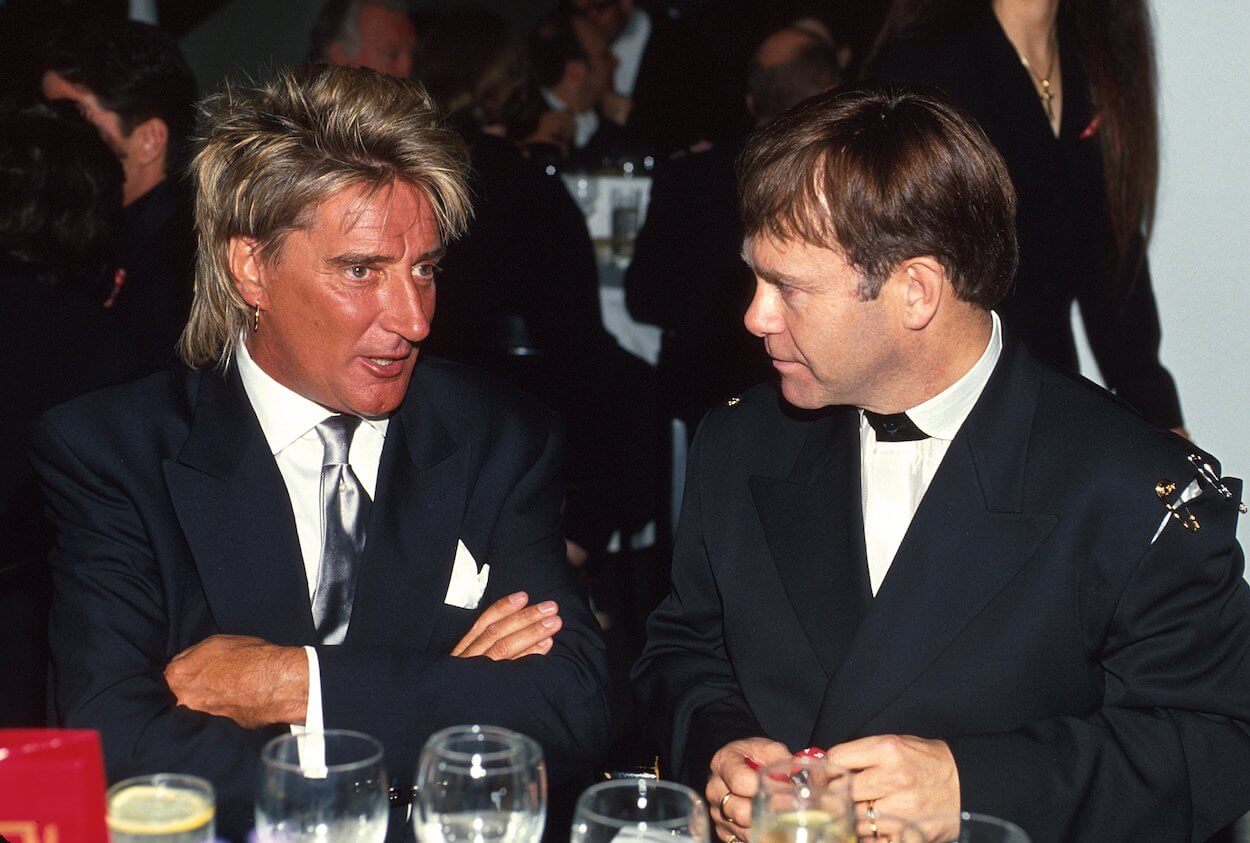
895	475
289	422
629	48
585	123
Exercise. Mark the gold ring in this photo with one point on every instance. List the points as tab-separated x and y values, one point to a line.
724	800
872	809
733	838
872	828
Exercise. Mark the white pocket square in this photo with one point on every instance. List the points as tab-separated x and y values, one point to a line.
468	584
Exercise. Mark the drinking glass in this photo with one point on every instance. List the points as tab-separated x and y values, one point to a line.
161	808
635	810
803	800
342	800
973	828
480	784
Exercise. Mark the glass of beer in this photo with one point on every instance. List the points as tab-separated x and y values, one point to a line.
803	800
161	808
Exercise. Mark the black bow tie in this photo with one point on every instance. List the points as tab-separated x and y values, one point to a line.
894	427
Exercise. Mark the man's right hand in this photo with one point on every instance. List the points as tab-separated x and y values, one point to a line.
733	782
510	629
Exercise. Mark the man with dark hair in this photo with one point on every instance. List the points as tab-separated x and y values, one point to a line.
979	583
378	34
663	91
690	279
132	82
573	66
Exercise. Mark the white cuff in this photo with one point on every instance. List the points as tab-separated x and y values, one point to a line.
311	744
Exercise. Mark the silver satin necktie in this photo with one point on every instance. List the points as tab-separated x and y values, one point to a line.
345	511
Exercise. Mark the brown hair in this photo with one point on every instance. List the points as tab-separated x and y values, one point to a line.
1114	42
885	173
272	152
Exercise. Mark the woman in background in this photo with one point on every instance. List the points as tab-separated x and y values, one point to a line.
1065	89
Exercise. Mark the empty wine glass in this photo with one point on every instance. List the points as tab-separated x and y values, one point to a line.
480	784
638	810
973	828
803	800
336	795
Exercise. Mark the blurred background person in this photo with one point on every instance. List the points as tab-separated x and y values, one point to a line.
519	293
573	65
687	275
131	81
60	224
365	33
663	93
1066	92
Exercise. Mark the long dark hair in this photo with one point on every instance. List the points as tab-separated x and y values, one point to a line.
1116	48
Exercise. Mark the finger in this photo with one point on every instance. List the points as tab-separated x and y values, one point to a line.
540	649
727	830
858	754
510	646
497	611
507	626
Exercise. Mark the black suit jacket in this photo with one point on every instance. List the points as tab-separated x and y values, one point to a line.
1090	684
1067	251
174	524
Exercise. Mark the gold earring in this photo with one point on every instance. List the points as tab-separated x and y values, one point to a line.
256	318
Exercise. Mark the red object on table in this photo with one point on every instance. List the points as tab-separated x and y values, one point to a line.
51	786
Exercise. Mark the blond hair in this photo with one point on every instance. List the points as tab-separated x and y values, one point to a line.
270	153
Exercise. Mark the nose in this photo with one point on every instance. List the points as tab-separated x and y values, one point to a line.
763	317
408	310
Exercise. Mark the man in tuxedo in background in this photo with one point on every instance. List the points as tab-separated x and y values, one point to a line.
131	80
978	582
311	527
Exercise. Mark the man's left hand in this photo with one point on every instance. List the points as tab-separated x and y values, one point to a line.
249	680
900	775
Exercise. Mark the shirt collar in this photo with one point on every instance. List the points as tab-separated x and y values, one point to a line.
942	415
284	414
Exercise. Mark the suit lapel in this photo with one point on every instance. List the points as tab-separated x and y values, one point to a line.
967	540
813	523
236	515
413	527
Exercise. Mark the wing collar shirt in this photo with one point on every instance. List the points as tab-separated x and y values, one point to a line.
289	422
629	48
895	475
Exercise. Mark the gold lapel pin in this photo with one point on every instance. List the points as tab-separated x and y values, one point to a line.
1206	473
1164	489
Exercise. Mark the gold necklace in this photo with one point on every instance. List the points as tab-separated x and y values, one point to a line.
1047	97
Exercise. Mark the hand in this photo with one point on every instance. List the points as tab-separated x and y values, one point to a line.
732	774
616	107
902	775
510	629
251	681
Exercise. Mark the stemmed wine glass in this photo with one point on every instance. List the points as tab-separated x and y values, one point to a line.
327	786
973	828
480	784
640	810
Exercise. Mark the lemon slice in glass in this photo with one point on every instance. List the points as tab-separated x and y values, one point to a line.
145	809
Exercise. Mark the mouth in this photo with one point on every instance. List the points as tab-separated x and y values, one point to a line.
386	366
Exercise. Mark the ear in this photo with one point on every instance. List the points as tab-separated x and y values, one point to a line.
247	271
149	141
920	285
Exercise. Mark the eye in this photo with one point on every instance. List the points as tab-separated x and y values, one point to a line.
358	273
427	271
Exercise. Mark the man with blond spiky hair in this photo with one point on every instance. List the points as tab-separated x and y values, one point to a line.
312	525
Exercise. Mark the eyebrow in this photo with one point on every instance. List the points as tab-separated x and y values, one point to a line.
772	276
367	259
